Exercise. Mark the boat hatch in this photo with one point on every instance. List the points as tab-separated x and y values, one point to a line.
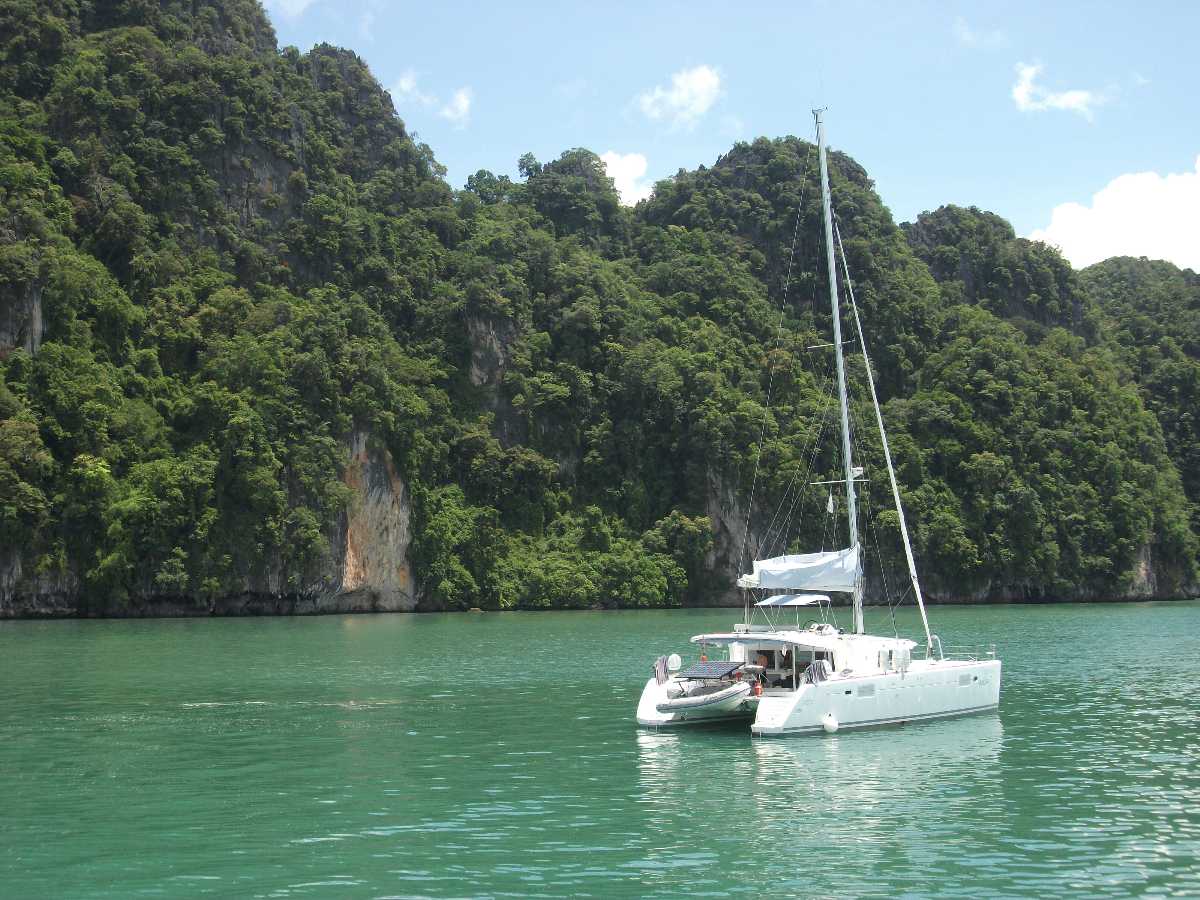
717	669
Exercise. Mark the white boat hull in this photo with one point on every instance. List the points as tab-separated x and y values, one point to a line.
929	689
658	709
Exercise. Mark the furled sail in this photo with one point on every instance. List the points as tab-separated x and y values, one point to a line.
836	570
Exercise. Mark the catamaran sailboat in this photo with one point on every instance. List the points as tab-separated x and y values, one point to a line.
818	677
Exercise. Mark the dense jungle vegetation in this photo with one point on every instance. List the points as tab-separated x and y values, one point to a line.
240	256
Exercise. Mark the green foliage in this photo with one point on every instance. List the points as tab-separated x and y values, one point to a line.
1154	308
978	259
577	197
1035	466
241	259
24	464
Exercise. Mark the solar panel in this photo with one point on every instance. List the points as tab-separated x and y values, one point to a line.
718	669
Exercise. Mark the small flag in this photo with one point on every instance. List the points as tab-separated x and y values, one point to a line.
829	505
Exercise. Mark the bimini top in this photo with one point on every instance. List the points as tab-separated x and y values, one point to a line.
815	640
794	600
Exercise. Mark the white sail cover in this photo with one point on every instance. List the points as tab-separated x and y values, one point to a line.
836	570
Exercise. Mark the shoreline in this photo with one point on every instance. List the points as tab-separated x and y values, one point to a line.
305	607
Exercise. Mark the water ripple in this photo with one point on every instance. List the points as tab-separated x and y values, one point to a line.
342	757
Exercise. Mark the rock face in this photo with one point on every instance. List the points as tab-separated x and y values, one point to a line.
366	570
20	316
375	572
36	594
490	343
729	525
491	340
1145	580
728	516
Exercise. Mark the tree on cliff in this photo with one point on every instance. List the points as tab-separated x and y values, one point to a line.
219	259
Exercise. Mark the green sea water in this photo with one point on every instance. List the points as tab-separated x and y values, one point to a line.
496	755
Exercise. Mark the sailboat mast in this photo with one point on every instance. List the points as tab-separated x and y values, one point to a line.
847	459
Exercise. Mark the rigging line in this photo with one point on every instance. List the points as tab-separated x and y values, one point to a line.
806	359
825	529
832	614
858	441
812	460
824	410
796	474
860	447
811	449
874	533
772	532
826	415
887	455
787	492
771	370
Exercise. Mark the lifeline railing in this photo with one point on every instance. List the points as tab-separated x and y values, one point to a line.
972	652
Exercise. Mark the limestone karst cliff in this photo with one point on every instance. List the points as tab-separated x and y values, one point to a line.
257	356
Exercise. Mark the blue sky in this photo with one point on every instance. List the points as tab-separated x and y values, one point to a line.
1078	122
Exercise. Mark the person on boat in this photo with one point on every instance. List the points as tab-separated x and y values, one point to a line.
788	678
764	661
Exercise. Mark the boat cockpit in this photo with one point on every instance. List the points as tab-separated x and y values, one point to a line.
776	662
784	668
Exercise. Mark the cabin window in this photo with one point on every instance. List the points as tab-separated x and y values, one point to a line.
963	680
867	690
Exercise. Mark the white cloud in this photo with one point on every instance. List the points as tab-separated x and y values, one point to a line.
458	109
366	21
691	93
627	171
1141	214
406	93
971	37
291	9
1031	97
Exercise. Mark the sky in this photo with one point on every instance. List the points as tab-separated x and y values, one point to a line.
1077	122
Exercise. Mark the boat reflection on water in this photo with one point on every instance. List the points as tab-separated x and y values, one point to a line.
866	789
893	765
900	751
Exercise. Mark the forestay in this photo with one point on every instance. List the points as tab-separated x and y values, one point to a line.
835	570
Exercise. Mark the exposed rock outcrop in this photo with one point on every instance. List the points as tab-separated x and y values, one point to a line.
729	526
727	513
28	593
366	570
375	572
21	325
491	341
